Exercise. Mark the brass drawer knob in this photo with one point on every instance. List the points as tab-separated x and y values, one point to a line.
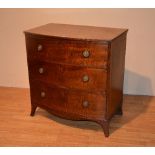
86	53
85	104
85	78
41	70
42	94
40	47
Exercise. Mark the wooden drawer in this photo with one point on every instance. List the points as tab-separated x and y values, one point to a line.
83	53
62	101
75	77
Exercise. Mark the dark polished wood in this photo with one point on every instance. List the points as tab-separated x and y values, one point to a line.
69	76
77	78
75	32
67	51
69	101
116	75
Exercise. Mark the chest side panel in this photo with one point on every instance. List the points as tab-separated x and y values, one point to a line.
116	75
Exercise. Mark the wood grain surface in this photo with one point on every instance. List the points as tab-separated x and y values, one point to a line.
116	75
77	31
67	51
68	103
68	76
17	128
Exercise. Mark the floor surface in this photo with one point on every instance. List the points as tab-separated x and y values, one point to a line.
135	128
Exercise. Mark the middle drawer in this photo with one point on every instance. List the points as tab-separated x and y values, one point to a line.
75	77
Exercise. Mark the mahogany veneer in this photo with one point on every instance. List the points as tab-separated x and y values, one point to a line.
77	72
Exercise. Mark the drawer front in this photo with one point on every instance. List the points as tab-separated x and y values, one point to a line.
75	77
83	53
79	104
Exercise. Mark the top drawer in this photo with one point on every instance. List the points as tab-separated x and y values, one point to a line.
83	53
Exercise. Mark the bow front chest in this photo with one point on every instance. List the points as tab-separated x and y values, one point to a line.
77	72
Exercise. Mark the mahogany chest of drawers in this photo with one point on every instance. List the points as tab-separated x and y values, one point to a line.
77	72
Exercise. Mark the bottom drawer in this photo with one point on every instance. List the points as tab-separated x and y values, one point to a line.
68	103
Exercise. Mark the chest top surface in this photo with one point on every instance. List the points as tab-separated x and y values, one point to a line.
77	32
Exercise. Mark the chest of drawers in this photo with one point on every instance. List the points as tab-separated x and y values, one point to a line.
77	72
